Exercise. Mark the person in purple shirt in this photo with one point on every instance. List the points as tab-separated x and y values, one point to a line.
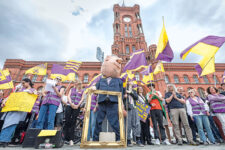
217	104
75	99
49	105
12	118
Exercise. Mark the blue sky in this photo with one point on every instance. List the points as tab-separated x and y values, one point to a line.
72	29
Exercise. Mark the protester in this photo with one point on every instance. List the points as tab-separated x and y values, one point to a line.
12	118
60	112
199	112
176	105
223	88
75	99
93	115
145	126
157	111
217	104
133	123
49	105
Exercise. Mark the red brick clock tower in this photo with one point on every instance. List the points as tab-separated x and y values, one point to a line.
128	31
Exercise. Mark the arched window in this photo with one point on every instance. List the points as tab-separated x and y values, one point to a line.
44	78
215	79
133	48
126	31
206	79
130	31
127	49
167	79
137	76
85	78
34	78
186	80
176	79
196	79
201	92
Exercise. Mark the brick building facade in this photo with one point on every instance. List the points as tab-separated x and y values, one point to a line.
128	36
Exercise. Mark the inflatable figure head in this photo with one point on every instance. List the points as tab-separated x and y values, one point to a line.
111	67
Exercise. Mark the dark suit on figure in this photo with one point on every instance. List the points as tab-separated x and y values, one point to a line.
108	106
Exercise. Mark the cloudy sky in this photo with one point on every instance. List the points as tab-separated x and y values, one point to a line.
72	29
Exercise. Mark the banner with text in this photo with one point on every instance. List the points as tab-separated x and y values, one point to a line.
21	101
143	110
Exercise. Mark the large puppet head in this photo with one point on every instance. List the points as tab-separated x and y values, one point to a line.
111	67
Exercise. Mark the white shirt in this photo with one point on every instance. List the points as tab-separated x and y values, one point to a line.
60	108
189	108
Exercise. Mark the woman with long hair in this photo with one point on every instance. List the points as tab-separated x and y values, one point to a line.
12	118
145	132
75	99
199	112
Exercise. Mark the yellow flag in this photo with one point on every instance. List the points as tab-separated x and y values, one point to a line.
68	77
20	101
159	68
208	65
147	78
7	83
38	70
2	76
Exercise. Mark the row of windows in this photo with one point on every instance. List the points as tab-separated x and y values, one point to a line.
186	79
128	49
85	79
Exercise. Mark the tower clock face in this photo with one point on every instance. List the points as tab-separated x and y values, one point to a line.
126	19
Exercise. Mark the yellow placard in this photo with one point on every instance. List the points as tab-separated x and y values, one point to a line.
47	133
20	101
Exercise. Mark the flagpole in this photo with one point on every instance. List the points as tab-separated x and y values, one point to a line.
214	76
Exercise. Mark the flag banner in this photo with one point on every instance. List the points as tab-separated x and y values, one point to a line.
206	47
65	74
143	110
20	101
223	79
93	82
2	76
38	70
147	79
136	62
164	51
7	83
147	70
205	66
47	133
128	76
73	65
159	68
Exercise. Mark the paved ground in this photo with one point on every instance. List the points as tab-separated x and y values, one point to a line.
161	147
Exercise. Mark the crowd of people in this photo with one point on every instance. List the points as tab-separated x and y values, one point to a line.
190	114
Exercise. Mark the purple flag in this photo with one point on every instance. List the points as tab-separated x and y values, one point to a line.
137	61
209	40
147	70
7	80
58	69
94	80
166	54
